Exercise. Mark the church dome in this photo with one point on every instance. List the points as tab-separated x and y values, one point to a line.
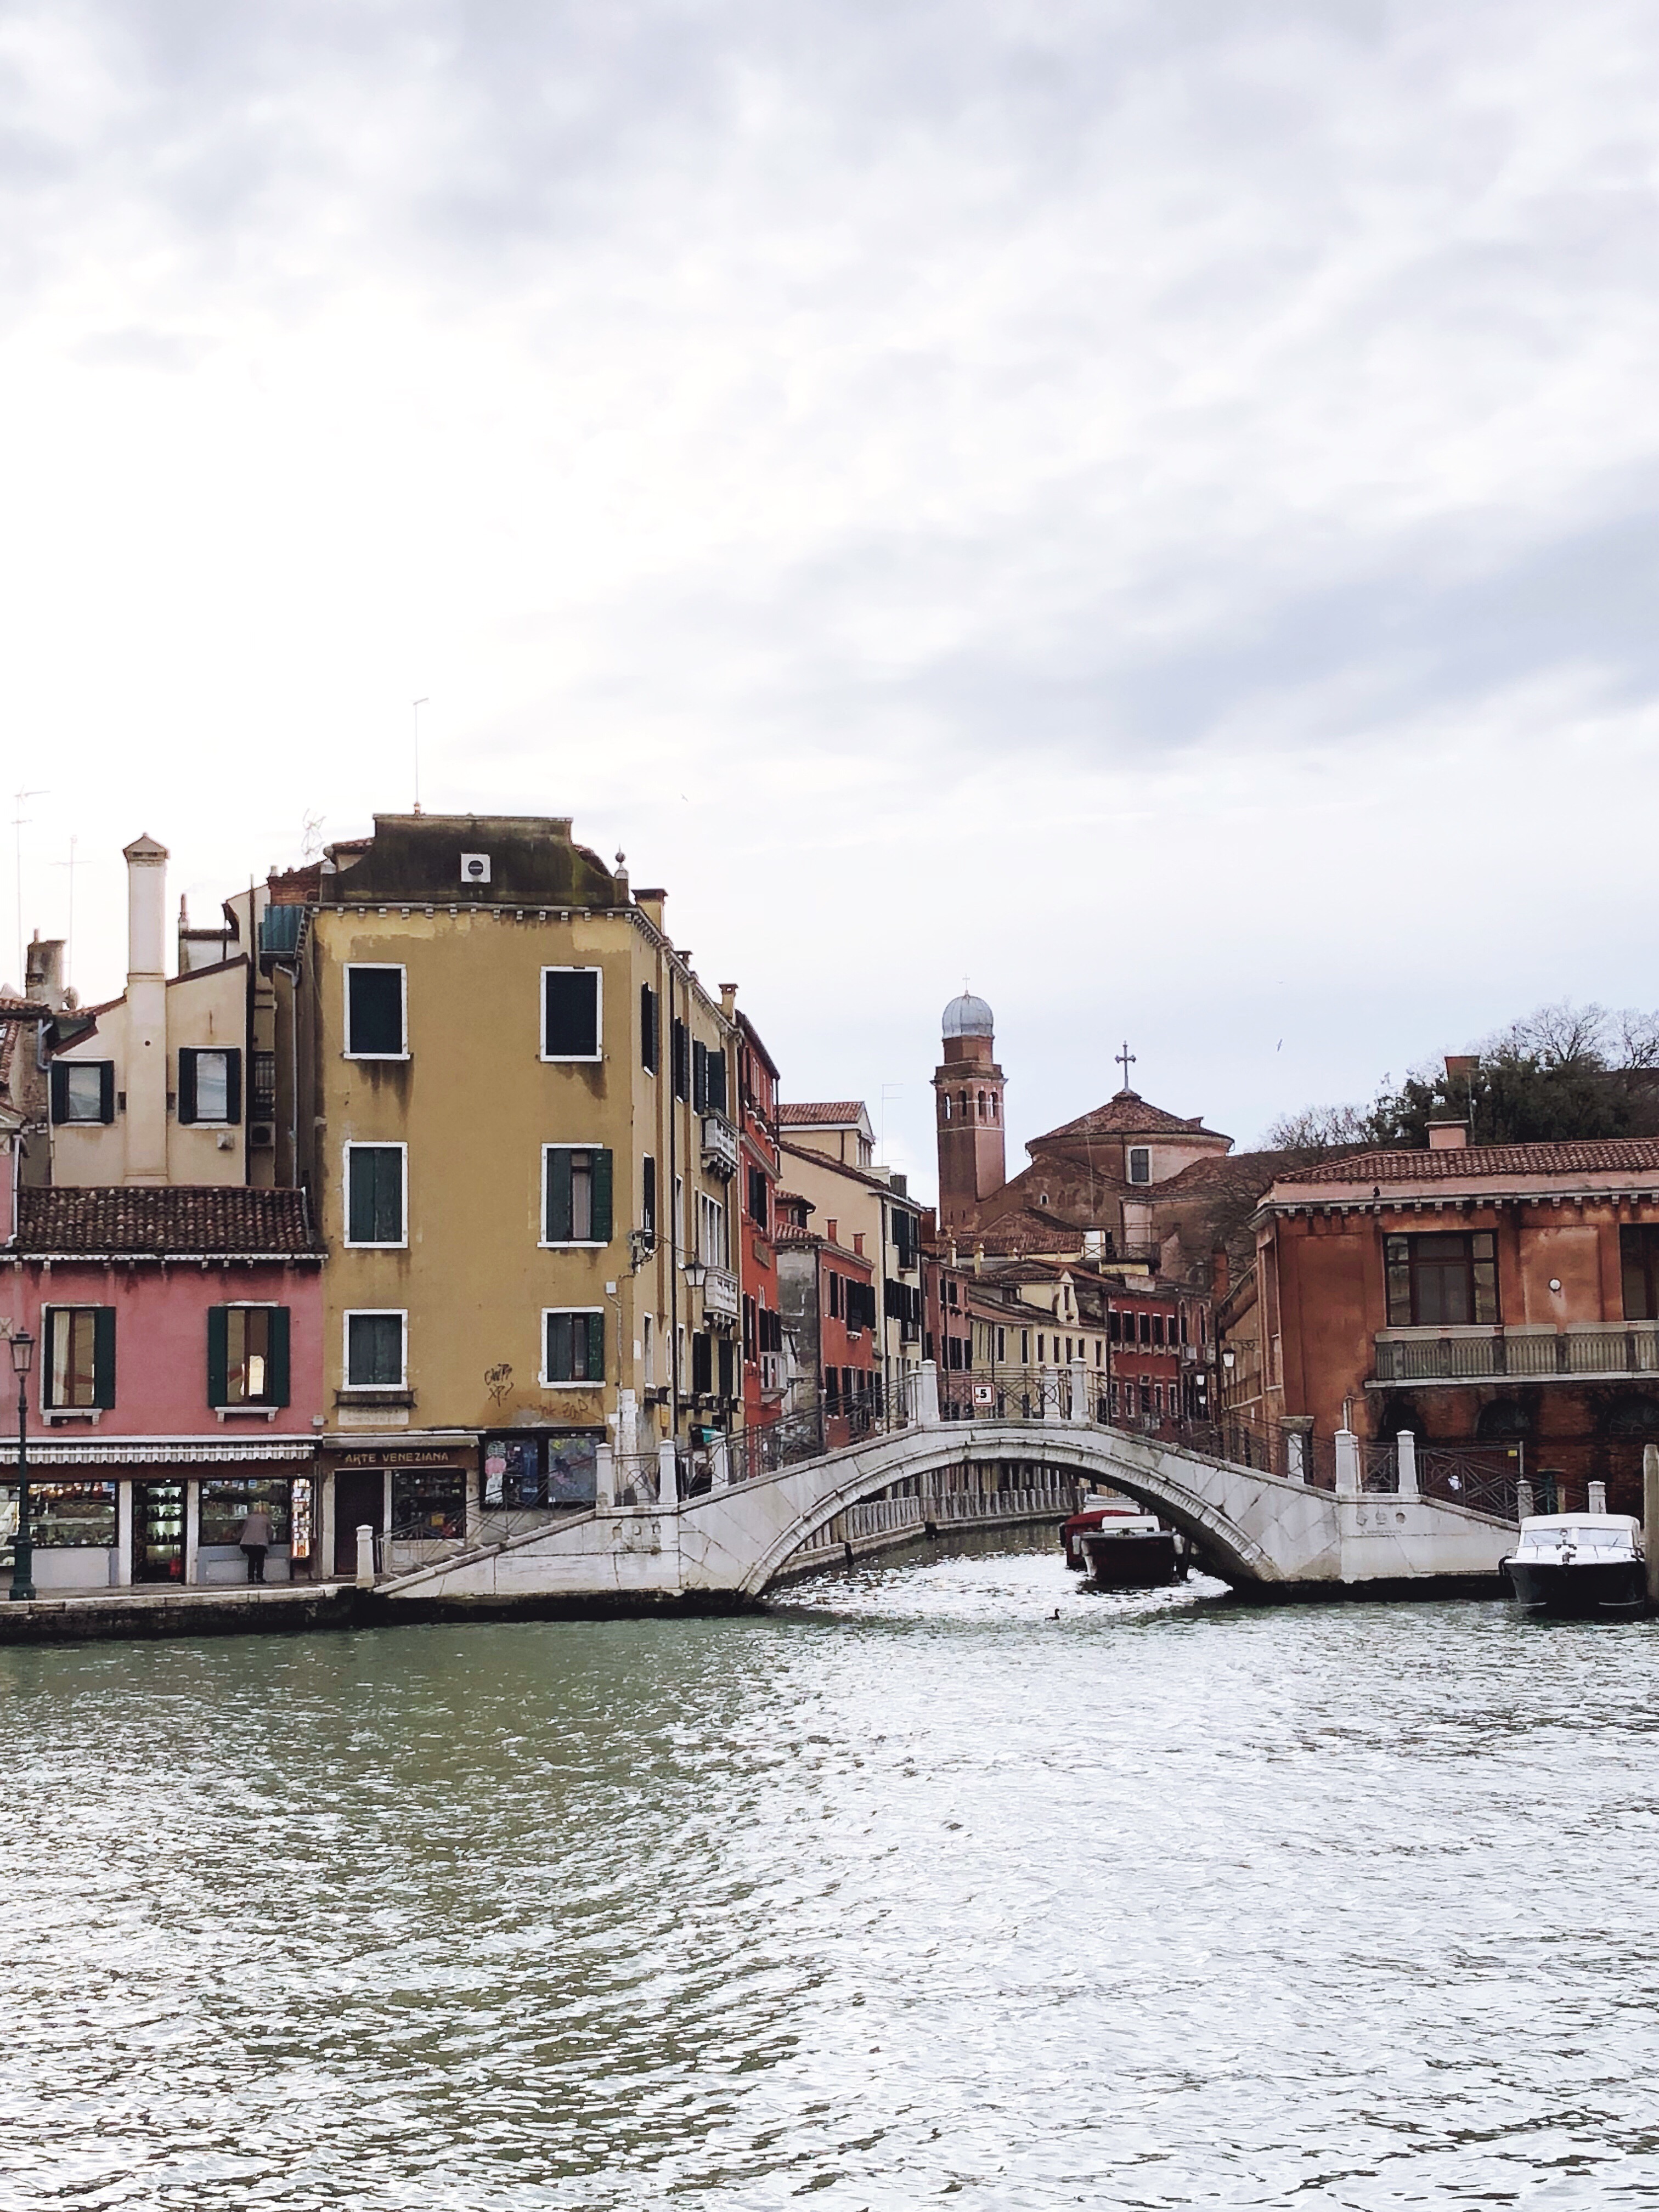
967	1017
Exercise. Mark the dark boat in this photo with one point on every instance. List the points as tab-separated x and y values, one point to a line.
1093	1513
1132	1552
1580	1563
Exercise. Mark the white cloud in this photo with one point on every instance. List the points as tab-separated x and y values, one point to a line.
1150	504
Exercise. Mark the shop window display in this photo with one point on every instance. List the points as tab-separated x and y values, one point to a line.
63	1516
428	1503
226	1504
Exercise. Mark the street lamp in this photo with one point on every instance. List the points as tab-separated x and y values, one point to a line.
22	1549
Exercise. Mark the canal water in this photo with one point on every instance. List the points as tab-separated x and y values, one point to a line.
908	1892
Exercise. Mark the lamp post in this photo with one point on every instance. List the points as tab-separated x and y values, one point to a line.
23	1548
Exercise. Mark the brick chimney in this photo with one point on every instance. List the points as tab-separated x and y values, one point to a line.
1448	1136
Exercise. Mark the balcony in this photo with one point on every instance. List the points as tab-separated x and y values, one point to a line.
719	1293
1594	1352
720	1146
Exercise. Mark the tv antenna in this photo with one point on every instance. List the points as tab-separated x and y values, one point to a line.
19	822
71	864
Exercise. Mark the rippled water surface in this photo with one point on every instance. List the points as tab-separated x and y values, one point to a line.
905	1892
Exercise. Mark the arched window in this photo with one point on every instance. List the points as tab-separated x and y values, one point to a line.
1503	1421
981	1106
944	1105
964	1106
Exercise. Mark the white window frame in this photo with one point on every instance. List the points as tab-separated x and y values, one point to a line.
378	1313
543	1380
574	1243
371	1144
94	1120
571	1059
1139	1153
714	1247
346	968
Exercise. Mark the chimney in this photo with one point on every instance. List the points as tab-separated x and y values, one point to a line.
832	1230
729	1000
42	972
144	1074
857	1243
1448	1136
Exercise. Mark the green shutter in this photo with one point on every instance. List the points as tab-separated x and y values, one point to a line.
59	1091
233	1086
558	1195
276	1357
558	1347
595	1367
187	1105
360	1199
103	1356
106	1092
601	1172
388	1195
218	1377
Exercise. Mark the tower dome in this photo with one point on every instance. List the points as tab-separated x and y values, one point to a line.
967	1017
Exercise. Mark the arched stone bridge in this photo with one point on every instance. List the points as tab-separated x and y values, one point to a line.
1263	1532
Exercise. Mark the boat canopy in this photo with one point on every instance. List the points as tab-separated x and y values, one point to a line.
1612	1533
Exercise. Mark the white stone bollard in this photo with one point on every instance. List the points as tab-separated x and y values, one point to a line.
1079	1391
1347	1464
668	1475
1296	1456
365	1556
1598	1498
604	1479
928	1396
720	1462
1405	1445
1051	1394
1523	1500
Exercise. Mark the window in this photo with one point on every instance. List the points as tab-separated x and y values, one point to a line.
712	1247
1157	1330
376	1350
1140	1164
263	1104
226	1504
1114	1326
680	1047
375	1195
575	1344
1146	1328
247	1356
650	1028
1638	1255
209	1085
1444	1279
570	1013
376	1005
1025	1347
66	1517
83	1090
649	1195
680	1253
702	1367
575	1195
758	1198
78	1373
834	1295
428	1503
649	1330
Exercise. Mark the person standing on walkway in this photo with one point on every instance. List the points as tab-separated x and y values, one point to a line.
255	1540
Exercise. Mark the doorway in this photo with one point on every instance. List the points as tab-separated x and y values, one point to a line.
359	1502
158	1532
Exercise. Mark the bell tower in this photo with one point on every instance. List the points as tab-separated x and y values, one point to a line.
967	1087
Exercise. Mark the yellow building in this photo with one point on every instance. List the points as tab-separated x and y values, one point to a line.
513	1122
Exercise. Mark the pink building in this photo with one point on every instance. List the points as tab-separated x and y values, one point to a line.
177	1377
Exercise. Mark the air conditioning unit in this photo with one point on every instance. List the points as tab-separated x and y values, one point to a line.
261	1135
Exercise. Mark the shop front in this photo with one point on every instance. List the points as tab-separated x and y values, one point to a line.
110	1515
415	1498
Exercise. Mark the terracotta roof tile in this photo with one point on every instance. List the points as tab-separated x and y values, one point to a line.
833	1115
1466	1164
1128	1115
180	1221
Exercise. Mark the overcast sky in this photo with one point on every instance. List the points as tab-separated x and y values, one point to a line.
1147	505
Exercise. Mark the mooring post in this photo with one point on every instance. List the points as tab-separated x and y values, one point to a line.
1598	1498
1522	1500
1347	1464
1650	1517
668	1474
1079	1391
604	1479
365	1556
1405	1449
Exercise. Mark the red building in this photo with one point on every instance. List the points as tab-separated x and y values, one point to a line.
756	1253
831	1340
1500	1302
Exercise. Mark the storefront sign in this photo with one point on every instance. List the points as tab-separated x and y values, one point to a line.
396	1454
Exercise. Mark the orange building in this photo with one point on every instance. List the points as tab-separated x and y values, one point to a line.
1500	1295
